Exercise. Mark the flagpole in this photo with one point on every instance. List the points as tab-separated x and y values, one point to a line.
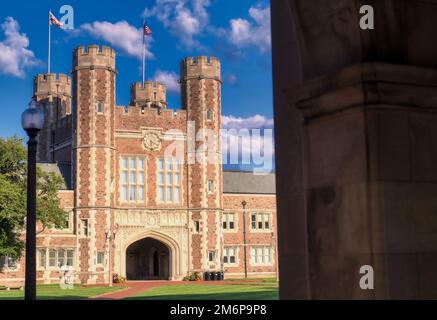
144	55
50	28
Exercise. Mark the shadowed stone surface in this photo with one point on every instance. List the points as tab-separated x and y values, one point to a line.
356	115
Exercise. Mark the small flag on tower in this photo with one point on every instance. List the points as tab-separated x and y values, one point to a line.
54	21
147	31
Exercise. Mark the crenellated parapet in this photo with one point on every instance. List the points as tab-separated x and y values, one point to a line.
94	56
151	113
150	94
46	85
200	67
195	69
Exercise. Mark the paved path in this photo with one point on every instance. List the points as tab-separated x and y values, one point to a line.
136	287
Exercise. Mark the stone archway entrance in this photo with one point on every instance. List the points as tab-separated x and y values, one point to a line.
148	259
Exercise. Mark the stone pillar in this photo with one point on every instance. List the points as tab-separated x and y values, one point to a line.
363	108
94	153
201	97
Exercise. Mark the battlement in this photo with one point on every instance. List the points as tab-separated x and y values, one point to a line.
94	56
52	84
200	67
201	60
149	94
132	117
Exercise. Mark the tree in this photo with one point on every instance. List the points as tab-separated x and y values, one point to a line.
12	213
49	212
13	190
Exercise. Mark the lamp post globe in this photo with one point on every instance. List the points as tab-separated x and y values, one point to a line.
32	121
33	117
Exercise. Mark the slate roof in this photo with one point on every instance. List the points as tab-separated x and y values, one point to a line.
248	183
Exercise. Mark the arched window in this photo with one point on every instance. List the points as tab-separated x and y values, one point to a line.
209	115
100	107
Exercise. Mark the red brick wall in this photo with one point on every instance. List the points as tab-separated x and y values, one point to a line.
135	121
255	204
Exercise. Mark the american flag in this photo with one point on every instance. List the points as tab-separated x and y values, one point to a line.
147	31
53	20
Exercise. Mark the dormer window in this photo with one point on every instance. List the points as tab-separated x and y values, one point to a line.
100	107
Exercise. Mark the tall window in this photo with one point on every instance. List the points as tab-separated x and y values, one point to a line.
211	256
260	221
52	257
229	221
261	255
66	222
196	226
230	255
84	223
209	115
70	257
132	179
100	257
210	186
42	258
169	181
100	107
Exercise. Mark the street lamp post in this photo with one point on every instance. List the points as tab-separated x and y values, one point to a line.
32	121
110	237
244	204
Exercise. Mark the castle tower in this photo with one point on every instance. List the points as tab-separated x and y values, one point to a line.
201	97
54	95
150	95
94	77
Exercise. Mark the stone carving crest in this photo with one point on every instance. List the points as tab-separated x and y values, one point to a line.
152	140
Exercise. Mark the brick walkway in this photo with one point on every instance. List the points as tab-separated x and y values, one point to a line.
137	287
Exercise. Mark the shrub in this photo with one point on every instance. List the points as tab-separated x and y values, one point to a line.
118	279
193	277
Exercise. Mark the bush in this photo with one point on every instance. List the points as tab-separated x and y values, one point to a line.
3	287
193	277
118	279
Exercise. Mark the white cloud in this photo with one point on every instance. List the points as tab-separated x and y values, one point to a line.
14	53
248	142
186	19
231	79
254	122
170	79
121	35
252	33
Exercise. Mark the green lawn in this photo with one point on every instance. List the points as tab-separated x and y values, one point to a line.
54	292
256	280
256	291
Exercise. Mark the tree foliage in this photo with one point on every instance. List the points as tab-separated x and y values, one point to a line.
13	188
49	211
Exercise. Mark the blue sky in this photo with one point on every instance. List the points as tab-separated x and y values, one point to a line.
237	32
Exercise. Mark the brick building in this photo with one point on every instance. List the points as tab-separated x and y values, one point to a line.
135	208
